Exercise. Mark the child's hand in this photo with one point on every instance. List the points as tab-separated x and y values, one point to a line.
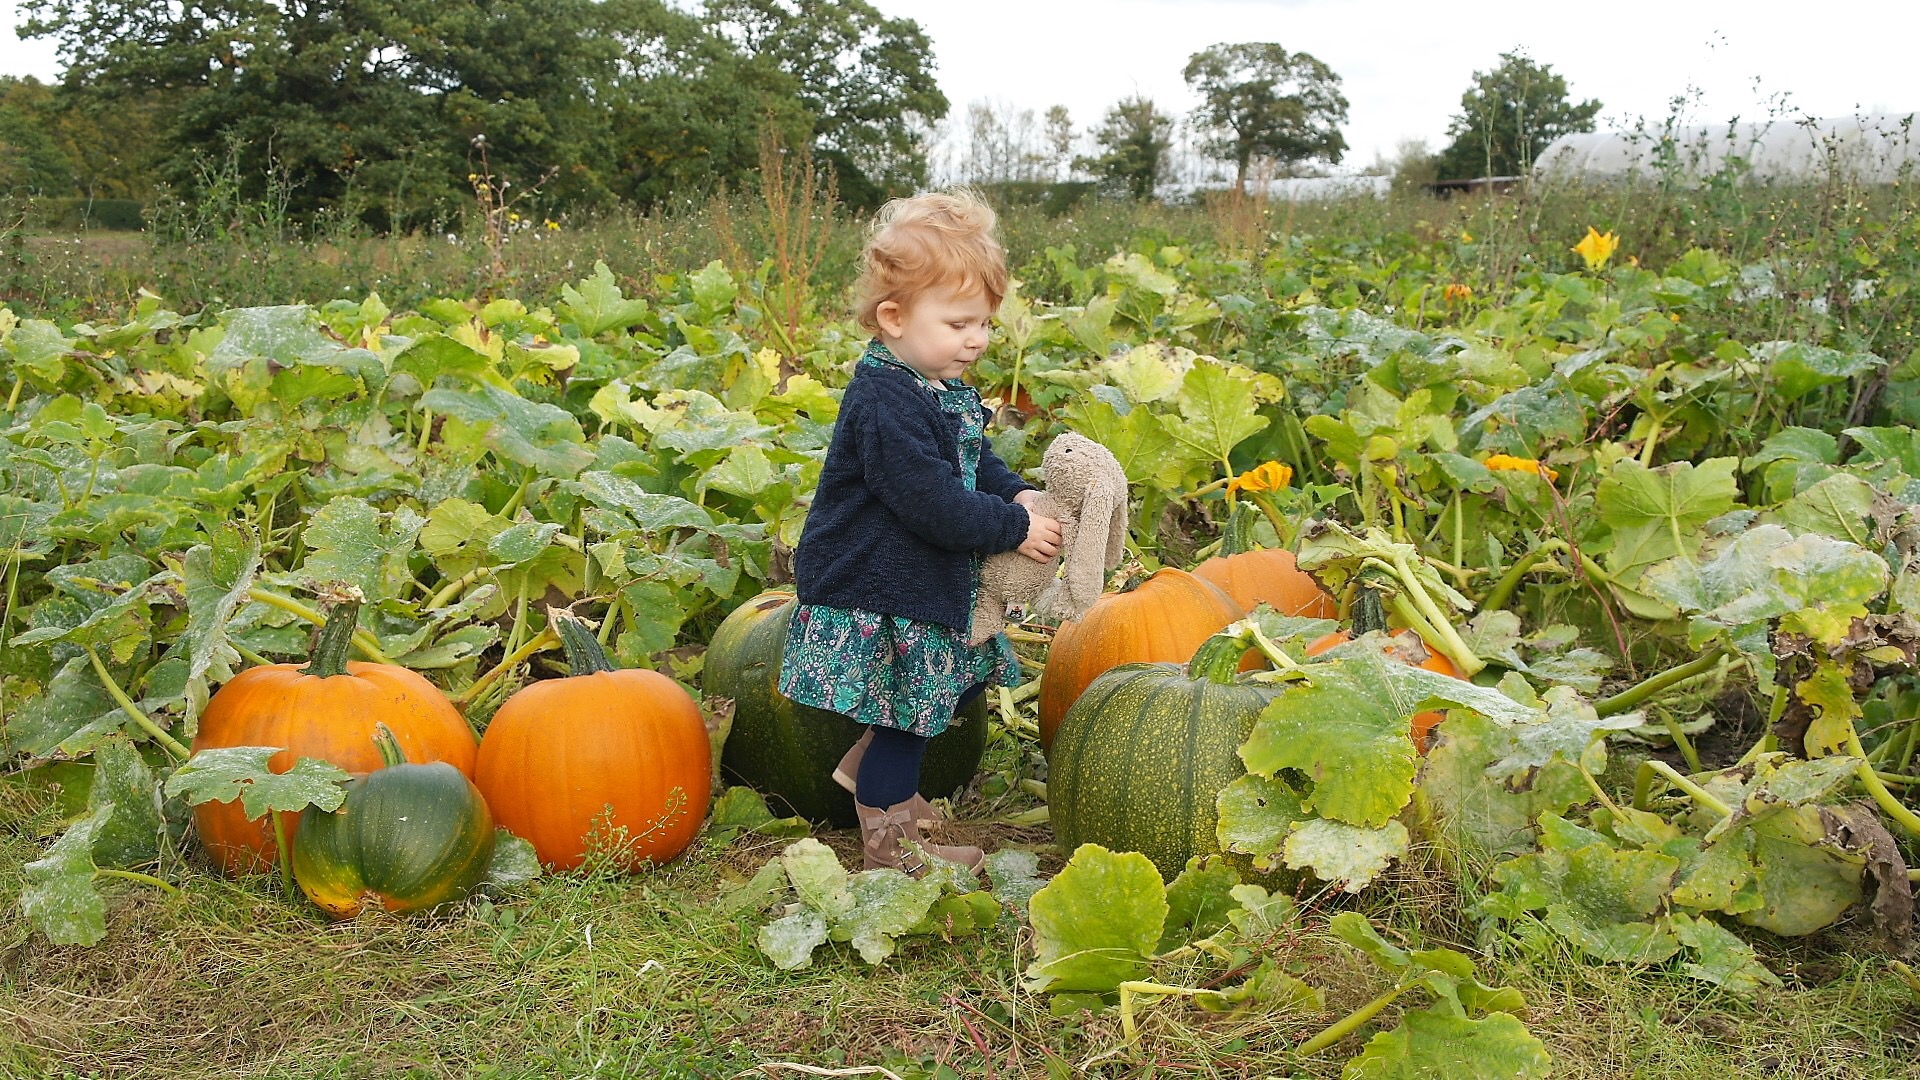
1027	497
1043	538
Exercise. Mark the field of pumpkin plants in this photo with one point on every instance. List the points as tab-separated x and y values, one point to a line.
1512	673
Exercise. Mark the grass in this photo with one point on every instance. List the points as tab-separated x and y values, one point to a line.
608	975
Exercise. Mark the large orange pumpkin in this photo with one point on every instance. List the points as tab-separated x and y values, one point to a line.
566	761
329	710
1410	648
1269	576
1164	618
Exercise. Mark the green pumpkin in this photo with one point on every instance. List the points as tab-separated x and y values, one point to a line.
408	837
787	751
1143	753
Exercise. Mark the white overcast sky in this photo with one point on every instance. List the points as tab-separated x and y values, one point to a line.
1404	63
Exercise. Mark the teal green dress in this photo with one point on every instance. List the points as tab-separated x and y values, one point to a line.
886	669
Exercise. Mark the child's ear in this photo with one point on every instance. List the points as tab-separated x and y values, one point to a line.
892	318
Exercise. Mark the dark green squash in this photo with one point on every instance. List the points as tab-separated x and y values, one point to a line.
787	751
1143	753
408	837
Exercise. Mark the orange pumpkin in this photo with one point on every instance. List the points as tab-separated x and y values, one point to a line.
566	761
1269	576
1164	618
330	710
1410	648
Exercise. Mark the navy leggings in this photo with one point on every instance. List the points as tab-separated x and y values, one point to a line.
890	769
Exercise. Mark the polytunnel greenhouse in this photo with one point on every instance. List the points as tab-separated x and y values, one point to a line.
1878	148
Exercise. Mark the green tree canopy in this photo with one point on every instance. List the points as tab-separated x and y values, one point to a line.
1134	138
1260	101
867	80
1508	116
372	106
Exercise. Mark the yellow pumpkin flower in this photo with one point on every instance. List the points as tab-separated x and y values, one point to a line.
1509	463
1457	293
1596	248
1268	476
1466	237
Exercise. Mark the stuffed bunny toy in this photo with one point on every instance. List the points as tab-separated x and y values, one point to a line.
1087	493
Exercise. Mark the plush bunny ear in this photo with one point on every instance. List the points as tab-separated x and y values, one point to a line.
1114	479
1080	556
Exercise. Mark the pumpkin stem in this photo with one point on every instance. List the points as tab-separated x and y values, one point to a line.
1369	613
330	649
390	753
584	654
1218	658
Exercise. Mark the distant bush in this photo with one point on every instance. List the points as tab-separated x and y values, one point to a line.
79	213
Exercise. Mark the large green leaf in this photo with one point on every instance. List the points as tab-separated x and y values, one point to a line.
58	895
534	434
1096	923
1345	855
1347	727
597	304
1431	1044
349	541
216	577
1216	410
1658	513
1767	572
133	833
227	773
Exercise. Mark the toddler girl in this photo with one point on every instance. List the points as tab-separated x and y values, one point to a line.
909	499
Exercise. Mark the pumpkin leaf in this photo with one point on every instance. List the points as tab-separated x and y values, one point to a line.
72	715
1345	855
1767	572
346	542
597	304
1198	901
58	896
132	834
1347	727
1607	902
1497	818
817	878
1258	915
1217	410
1268	989
240	772
514	862
1434	1044
1256	814
789	941
1015	875
1721	958
215	577
535	434
886	904
1097	922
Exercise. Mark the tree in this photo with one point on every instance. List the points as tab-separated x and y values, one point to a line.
1260	101
374	97
1134	139
866	79
1508	116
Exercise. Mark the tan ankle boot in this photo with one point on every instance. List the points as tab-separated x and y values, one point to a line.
847	773
889	837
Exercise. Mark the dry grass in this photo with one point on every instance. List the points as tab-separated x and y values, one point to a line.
605	975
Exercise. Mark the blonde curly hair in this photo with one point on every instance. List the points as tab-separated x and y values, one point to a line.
940	238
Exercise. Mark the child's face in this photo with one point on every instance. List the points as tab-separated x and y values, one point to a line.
940	334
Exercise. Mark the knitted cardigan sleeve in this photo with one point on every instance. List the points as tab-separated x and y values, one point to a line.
897	433
995	478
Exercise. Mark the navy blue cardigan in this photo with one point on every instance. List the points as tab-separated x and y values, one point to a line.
893	527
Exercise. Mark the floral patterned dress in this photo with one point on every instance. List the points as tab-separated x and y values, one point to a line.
886	669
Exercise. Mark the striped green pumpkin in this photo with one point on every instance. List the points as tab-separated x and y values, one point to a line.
408	838
1142	755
